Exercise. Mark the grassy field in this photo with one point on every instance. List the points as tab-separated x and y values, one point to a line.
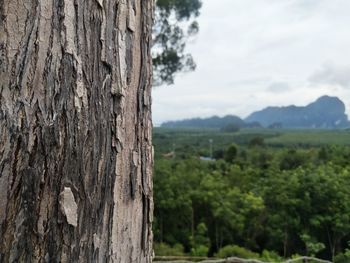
167	139
310	138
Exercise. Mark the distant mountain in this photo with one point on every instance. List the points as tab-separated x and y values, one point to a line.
212	122
325	112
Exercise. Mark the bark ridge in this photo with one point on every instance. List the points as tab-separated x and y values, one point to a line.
75	131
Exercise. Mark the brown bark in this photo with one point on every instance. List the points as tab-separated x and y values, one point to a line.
75	131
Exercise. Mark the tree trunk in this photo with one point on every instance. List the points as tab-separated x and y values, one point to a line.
75	131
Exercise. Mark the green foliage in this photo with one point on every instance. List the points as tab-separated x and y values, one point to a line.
162	249
232	127
200	251
312	246
343	257
270	256
200	242
308	138
257	142
284	199
231	153
262	159
200	237
169	56
324	154
292	159
236	251
218	154
183	9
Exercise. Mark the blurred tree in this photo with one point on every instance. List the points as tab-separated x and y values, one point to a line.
231	153
232	127
218	154
257	142
174	24
292	159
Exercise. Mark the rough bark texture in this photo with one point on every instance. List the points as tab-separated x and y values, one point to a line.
75	131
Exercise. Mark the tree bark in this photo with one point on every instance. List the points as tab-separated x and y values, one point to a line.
75	131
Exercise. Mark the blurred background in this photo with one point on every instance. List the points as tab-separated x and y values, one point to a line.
252	138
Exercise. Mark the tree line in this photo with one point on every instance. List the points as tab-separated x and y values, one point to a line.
255	201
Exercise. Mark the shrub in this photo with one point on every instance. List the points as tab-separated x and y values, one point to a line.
200	251
270	256
231	153
236	251
343	257
162	249
200	242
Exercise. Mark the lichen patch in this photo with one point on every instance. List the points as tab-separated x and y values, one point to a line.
68	206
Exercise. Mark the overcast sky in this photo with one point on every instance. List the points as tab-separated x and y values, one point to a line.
256	53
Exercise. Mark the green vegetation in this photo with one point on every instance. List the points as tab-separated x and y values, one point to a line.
162	249
174	24
232	127
311	138
258	199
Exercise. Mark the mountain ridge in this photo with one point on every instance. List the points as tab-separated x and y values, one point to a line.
326	112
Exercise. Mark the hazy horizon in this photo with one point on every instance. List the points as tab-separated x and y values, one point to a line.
258	53
243	117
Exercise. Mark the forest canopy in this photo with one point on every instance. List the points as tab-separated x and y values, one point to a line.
256	200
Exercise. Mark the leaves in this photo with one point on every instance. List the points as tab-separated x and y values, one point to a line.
252	201
175	24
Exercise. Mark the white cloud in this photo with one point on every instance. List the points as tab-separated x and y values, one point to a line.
278	87
332	75
245	48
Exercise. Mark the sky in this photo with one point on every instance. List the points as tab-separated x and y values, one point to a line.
251	54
